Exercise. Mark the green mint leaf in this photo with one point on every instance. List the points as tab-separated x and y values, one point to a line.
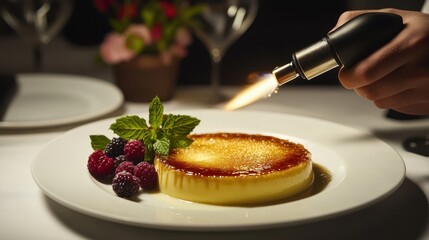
130	127
149	154
162	146
149	137
156	110
99	141
180	142
179	125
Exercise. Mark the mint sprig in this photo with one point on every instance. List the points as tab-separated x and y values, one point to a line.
163	133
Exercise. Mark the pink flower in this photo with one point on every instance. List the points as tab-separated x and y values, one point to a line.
143	27
141	31
182	40
113	49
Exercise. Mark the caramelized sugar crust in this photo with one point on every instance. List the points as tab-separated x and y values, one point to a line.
236	154
235	169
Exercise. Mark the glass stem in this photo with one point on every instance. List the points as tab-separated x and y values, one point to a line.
37	57
215	71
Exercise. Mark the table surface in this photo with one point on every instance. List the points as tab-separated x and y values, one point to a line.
26	213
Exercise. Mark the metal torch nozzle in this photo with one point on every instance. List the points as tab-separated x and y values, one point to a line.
308	63
285	73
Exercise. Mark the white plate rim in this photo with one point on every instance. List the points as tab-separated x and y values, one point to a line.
115	96
221	218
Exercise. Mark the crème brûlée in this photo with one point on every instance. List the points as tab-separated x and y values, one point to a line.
235	169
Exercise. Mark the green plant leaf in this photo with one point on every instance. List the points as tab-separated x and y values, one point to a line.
130	127
149	136
156	110
99	141
149	154
162	146
119	26
179	125
148	16
193	11
134	43
180	142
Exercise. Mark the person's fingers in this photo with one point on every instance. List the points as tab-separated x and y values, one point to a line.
414	109
412	75
411	43
401	100
396	75
347	15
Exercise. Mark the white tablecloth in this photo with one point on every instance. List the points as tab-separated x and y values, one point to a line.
26	213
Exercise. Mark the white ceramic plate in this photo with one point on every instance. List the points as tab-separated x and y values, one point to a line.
46	100
364	169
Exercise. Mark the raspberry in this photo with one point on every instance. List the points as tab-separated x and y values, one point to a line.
134	151
125	184
126	166
147	175
100	165
119	159
115	147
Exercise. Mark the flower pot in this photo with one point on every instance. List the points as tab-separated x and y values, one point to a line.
144	77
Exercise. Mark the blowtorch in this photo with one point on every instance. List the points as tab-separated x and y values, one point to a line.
345	46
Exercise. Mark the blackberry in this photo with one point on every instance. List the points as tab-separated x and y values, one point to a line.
125	184
100	165
115	147
147	175
134	151
126	166
119	159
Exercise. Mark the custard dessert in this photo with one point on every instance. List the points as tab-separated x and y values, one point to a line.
235	169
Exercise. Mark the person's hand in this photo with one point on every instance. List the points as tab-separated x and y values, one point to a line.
397	75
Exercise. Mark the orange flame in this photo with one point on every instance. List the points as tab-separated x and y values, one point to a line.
262	88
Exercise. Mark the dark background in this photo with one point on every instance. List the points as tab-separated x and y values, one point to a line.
278	30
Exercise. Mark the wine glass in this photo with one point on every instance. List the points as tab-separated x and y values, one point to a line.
221	23
36	21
